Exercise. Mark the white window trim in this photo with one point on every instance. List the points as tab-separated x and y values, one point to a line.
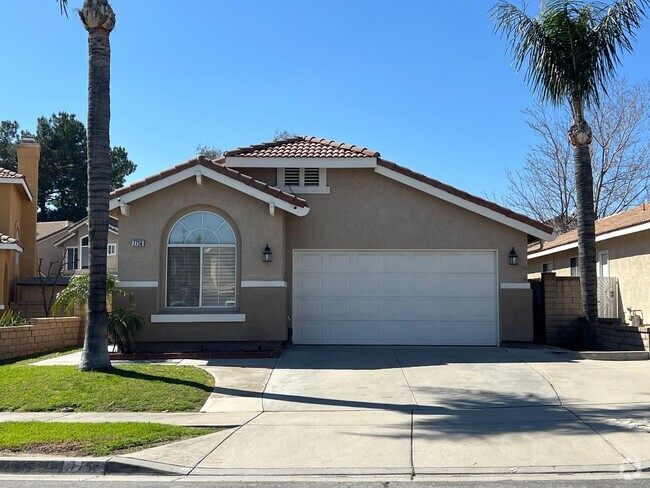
74	265
108	249
80	258
321	189
577	258
168	245
162	318
600	263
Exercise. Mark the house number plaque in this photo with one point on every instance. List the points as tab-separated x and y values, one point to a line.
137	242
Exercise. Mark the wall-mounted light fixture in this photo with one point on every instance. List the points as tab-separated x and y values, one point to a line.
267	255
513	259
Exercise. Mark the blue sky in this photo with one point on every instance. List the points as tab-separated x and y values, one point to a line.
426	83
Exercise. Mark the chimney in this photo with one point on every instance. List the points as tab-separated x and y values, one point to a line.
29	154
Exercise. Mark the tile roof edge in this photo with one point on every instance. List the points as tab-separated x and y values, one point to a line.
214	165
318	140
465	195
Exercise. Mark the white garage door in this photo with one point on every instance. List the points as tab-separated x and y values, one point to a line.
395	297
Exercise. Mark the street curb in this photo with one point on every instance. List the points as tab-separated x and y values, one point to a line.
97	466
131	466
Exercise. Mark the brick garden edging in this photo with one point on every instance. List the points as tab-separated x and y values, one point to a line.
42	335
195	355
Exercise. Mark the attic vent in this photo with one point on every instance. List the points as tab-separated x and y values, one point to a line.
312	176
292	176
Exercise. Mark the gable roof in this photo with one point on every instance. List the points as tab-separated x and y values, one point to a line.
113	225
8	176
302	147
46	229
200	165
635	220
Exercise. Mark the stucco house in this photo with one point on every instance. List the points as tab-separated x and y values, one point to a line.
319	242
18	192
623	252
48	254
73	244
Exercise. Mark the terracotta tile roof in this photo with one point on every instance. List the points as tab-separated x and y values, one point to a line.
619	221
46	229
7	173
302	147
465	196
219	168
5	239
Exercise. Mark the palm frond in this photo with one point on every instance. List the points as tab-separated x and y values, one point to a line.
63	4
572	47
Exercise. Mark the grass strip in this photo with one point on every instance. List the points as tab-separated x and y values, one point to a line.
124	388
88	439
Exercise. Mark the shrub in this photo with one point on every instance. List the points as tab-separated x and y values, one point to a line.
11	318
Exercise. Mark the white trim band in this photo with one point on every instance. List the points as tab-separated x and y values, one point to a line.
599	238
11	247
167	318
136	284
515	286
263	284
19	181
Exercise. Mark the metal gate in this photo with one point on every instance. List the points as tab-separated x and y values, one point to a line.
608	297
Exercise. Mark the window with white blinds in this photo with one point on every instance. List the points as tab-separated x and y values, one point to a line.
312	177
292	177
201	262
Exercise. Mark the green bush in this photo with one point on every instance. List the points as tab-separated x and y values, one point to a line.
11	318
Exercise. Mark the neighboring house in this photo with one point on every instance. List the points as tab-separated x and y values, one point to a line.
49	256
73	245
324	240
623	252
18	192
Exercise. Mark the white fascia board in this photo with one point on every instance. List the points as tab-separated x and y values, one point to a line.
19	181
599	238
72	231
467	205
11	247
169	318
213	175
242	162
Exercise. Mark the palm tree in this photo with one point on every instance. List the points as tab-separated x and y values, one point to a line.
98	18
572	51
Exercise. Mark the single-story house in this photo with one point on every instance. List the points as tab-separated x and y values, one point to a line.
73	245
623	252
319	242
18	192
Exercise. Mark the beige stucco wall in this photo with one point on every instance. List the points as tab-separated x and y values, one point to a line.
365	210
152	218
12	197
47	253
629	261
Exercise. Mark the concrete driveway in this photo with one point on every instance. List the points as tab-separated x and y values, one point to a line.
404	412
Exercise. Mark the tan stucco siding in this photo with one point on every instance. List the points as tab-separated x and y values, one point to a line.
365	210
48	254
12	196
152	218
629	261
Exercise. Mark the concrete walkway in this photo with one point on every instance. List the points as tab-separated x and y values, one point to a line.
403	412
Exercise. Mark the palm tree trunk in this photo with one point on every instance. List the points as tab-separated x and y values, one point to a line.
587	245
99	20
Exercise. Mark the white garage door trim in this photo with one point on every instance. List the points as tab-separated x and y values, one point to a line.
490	328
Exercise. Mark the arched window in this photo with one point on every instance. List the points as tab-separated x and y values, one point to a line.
201	262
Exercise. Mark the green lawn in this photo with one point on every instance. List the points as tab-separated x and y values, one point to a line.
126	388
88	439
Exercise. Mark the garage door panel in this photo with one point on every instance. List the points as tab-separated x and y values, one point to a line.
365	285
395	297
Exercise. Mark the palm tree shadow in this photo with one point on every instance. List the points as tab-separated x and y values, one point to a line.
127	373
